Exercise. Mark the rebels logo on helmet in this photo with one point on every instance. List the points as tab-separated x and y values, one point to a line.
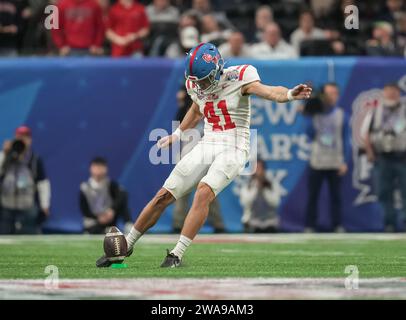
209	58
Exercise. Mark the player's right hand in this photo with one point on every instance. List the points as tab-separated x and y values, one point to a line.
166	141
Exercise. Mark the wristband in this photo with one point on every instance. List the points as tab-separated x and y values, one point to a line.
289	95
178	133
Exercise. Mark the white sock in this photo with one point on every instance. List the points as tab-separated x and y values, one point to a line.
132	237
181	246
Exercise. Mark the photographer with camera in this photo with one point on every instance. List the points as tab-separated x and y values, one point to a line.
24	188
329	132
386	148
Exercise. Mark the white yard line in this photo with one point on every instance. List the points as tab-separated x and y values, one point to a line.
212	238
209	288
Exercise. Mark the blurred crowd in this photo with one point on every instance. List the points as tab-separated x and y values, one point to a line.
261	29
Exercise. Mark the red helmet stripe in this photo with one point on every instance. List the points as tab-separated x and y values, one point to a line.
193	57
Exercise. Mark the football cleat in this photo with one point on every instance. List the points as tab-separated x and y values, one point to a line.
171	261
104	262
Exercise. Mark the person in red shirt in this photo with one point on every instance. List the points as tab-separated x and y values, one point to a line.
81	28
127	26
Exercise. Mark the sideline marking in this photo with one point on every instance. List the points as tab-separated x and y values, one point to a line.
210	288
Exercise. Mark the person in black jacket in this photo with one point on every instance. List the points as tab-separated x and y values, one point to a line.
13	20
102	200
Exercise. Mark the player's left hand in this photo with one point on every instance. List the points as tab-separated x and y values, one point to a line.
301	91
166	141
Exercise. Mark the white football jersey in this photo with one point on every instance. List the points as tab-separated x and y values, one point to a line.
226	111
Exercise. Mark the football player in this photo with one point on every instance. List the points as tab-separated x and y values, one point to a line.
222	96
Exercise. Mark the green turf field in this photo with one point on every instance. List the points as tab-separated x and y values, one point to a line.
266	256
282	266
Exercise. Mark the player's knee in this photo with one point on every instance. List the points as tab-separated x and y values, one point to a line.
204	194
163	198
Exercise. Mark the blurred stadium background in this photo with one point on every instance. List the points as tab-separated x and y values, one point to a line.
113	72
81	107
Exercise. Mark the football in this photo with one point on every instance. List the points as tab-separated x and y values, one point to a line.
115	245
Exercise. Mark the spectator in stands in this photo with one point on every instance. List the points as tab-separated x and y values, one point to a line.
386	148
81	29
181	205
211	31
13	17
105	6
401	32
161	11
235	47
188	37
164	20
332	44
189	19
263	17
329	132
382	42
102	200
341	40
25	190
273	46
322	8
37	39
332	18
260	201
127	25
306	31
204	7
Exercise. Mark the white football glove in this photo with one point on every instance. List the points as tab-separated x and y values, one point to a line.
166	141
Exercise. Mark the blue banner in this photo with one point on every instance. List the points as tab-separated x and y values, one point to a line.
80	108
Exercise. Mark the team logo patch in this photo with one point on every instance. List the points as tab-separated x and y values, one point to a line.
232	75
209	58
200	95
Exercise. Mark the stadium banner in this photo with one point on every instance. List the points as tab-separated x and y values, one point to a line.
79	108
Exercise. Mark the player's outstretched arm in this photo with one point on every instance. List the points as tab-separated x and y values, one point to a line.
191	119
278	94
